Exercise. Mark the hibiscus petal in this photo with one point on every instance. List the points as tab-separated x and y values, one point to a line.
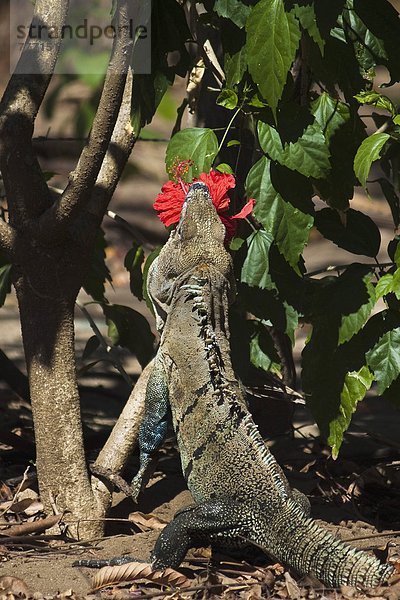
246	210
230	227
218	184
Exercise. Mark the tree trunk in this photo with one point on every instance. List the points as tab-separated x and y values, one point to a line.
47	282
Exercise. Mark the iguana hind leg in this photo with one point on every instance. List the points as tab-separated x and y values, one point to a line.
154	425
219	521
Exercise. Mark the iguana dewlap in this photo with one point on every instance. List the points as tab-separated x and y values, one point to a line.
240	491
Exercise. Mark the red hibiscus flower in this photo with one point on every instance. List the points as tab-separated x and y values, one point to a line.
169	202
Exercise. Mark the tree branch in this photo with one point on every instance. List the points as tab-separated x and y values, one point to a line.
118	152
124	436
25	185
79	190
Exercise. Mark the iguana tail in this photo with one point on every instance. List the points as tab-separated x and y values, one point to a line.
300	542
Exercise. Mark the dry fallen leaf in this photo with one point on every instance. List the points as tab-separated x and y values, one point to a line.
138	570
292	587
35	527
13	585
146	522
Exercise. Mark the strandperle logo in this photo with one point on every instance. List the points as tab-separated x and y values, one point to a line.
86	41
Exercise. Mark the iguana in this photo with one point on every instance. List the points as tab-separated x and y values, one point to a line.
242	495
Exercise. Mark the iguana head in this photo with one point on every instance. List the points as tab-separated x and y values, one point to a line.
196	242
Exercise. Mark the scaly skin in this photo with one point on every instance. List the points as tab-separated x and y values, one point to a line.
241	493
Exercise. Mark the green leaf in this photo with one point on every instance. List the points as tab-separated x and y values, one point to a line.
270	141
352	323
133	264
98	272
234	10
389	284
384	359
195	143
149	260
228	99
306	16
368	49
233	143
91	346
224	168
5	282
392	199
292	321
384	286
356	385
382	19
272	40
288	225
396	120
128	328
263	354
255	270
355	232
378	100
308	155
235	66
330	114
236	244
368	152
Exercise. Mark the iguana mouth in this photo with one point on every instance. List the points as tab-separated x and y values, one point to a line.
198	188
197	191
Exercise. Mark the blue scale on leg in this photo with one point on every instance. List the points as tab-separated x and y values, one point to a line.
154	425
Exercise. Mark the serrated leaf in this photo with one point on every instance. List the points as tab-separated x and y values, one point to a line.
288	225
5	282
273	37
308	155
352	323
396	120
228	99
270	141
234	10
330	113
378	100
306	16
369	151
255	270
356	385
384	359
355	232
384	286
200	145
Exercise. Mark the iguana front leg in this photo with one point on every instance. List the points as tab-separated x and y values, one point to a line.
218	521
154	425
